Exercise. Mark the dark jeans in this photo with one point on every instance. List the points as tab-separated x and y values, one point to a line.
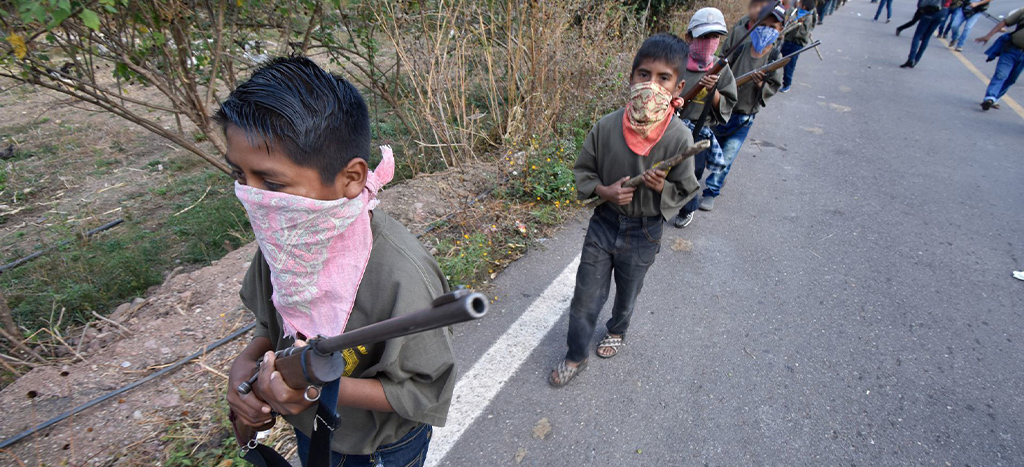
410	450
947	22
913	21
925	28
616	246
787	75
887	4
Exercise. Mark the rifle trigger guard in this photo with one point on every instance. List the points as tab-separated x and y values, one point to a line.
305	394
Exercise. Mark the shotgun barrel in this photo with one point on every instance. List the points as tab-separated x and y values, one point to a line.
321	360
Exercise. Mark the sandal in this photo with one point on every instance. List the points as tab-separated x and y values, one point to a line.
563	373
995	106
612	343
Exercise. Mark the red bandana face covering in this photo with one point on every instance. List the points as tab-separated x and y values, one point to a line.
702	53
647	115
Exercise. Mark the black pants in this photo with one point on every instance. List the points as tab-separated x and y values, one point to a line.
917	16
616	246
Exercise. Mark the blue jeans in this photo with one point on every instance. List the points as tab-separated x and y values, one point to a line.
947	22
410	450
887	4
925	28
731	136
968	23
787	72
616	246
1008	69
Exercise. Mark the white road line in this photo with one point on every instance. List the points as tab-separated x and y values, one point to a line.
478	386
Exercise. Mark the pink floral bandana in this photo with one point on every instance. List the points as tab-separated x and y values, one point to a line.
317	250
702	53
647	116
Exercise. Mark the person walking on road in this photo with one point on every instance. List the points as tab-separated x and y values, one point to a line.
966	16
624	234
931	16
887	4
795	40
1010	50
703	34
919	12
752	95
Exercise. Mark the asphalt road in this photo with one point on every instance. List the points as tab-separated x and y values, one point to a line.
848	302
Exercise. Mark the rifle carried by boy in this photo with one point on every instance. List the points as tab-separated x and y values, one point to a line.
321	361
724	60
665	165
747	77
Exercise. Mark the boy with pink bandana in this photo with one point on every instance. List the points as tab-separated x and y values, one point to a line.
298	142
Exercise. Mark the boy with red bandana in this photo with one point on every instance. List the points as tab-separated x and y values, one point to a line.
624	234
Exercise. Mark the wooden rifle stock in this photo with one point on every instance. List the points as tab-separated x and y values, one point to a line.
667	164
746	77
722	62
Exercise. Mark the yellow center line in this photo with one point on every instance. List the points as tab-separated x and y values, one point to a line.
984	79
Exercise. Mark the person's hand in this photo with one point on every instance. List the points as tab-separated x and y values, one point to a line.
758	78
249	409
655	179
707	81
982	39
270	386
616	193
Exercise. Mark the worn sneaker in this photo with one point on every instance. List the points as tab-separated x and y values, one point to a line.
909	64
707	203
987	104
682	221
785	89
959	49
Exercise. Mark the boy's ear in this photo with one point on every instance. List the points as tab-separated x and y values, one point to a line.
352	179
678	91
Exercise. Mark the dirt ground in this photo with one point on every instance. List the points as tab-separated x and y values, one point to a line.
189	311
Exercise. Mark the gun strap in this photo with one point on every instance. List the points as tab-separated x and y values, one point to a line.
265	456
324	424
709	101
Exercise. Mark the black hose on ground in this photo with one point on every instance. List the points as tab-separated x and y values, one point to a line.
24	434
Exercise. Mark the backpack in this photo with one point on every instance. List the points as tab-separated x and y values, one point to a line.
930	5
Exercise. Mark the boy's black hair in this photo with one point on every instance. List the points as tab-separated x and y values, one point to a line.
320	120
664	47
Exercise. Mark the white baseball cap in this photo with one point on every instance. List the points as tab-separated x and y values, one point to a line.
705	21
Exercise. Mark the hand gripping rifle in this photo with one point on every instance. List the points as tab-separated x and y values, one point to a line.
724	60
665	165
321	360
747	77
